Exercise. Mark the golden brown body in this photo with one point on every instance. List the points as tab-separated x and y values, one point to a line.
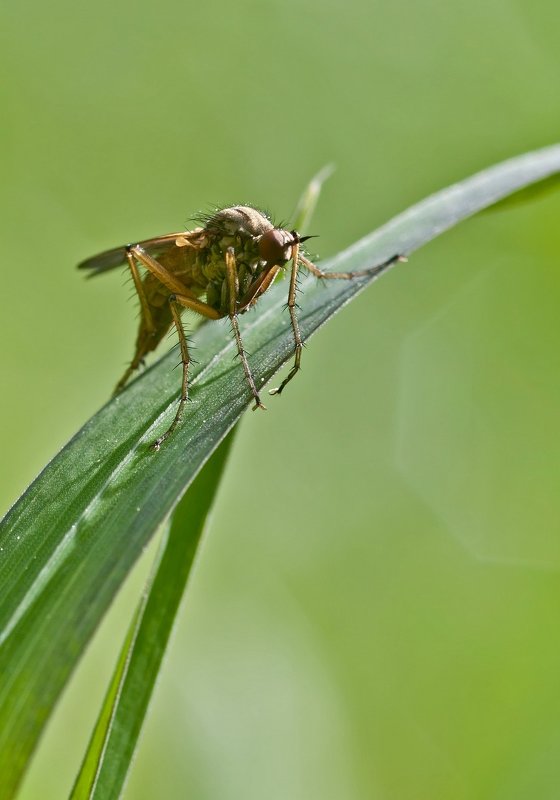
218	270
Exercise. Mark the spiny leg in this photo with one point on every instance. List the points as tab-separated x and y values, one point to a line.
136	362
139	286
295	325
169	280
205	310
147	321
183	296
185	359
186	301
296	260
259	286
348	276
233	289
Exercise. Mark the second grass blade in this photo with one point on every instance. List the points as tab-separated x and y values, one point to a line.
115	736
69	542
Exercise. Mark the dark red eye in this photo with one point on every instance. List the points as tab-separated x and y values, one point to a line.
275	246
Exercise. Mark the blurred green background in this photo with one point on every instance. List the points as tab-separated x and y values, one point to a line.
375	610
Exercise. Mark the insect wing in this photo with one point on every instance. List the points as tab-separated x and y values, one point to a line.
116	257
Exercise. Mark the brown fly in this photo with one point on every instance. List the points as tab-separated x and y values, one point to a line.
217	270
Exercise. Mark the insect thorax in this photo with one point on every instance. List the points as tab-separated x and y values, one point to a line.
239	227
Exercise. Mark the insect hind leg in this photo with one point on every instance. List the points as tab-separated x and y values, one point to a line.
185	360
147	324
147	319
135	364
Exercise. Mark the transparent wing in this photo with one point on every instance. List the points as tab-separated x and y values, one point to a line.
116	257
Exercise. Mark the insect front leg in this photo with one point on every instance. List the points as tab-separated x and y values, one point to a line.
295	325
233	290
348	276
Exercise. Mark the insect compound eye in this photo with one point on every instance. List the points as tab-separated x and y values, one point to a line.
275	246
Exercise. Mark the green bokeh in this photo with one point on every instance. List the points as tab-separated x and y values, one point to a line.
374	613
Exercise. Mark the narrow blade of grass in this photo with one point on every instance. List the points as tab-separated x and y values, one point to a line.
308	200
71	539
114	739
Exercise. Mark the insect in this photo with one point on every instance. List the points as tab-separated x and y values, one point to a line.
219	269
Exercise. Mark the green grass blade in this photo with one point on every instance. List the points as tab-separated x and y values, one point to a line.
307	203
114	739
71	539
528	194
